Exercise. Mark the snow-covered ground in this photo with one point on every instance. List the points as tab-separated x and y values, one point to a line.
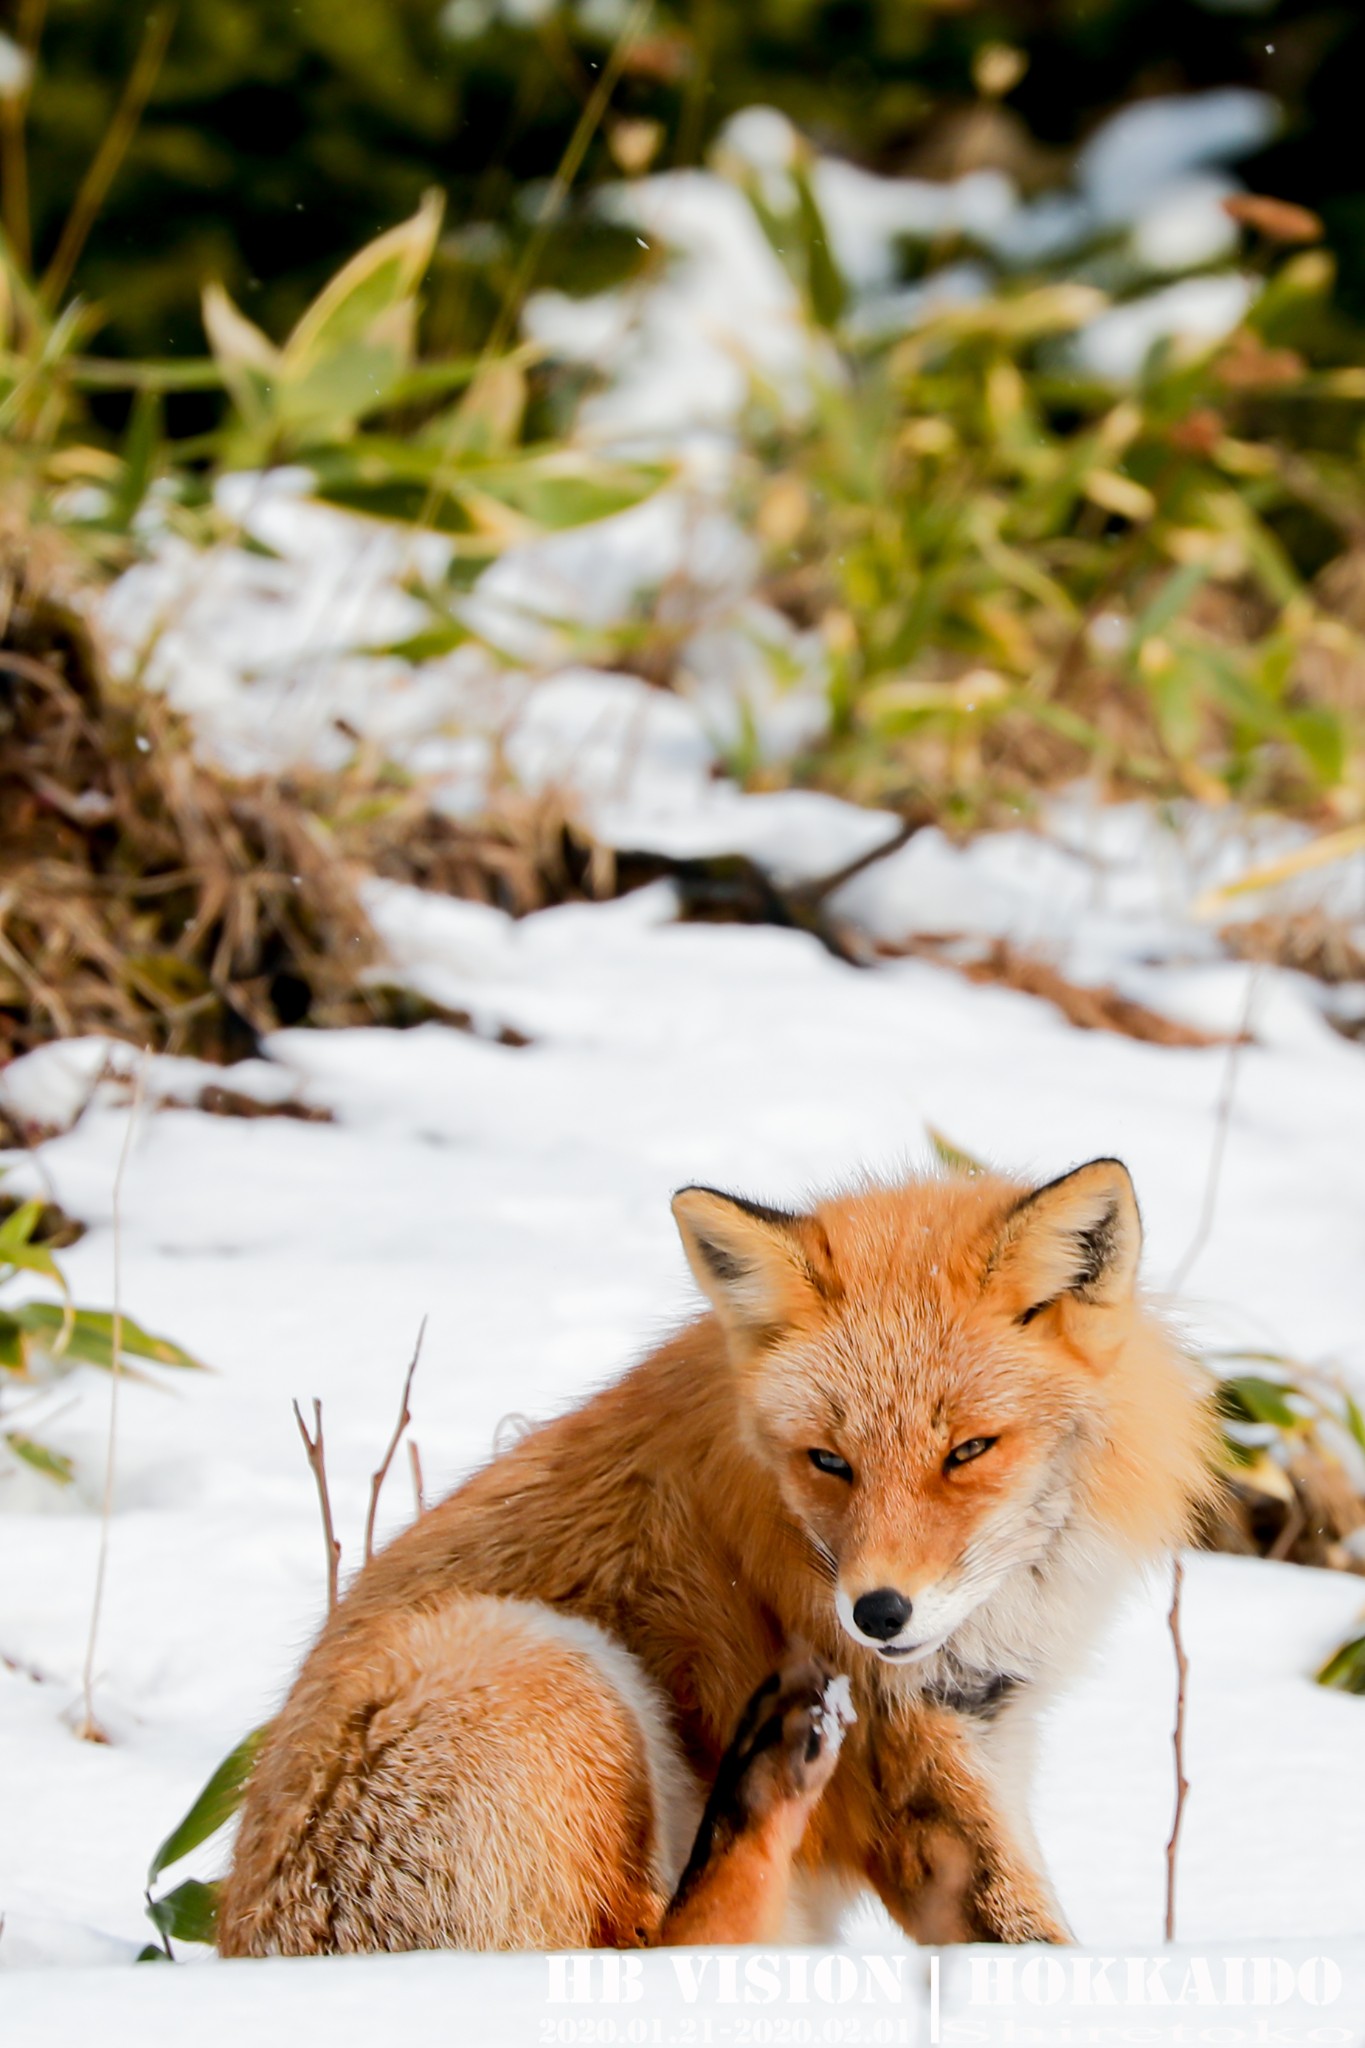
518	1199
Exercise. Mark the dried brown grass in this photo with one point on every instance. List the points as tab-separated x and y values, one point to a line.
1301	1512
1309	941
145	895
526	853
141	894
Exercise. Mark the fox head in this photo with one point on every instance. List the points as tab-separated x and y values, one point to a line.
947	1381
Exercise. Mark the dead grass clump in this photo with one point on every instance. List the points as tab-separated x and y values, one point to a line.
218	1101
526	853
145	895
1309	941
54	1230
1301	1511
141	894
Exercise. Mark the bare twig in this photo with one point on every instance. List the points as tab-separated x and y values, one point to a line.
317	1459
415	1464
561	183
1294	1524
404	1418
1182	1783
13	151
1223	1118
89	1728
113	147
556	196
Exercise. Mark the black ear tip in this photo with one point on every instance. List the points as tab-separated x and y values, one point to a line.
1113	1170
757	1212
1050	1187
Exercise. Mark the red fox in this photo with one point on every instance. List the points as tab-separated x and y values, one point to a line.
923	1438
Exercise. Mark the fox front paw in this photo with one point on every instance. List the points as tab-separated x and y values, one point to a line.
788	1740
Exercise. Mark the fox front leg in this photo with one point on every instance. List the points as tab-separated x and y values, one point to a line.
940	1853
737	1882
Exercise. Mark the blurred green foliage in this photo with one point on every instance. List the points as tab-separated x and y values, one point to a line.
39	1339
1016	572
449	444
281	134
1020	573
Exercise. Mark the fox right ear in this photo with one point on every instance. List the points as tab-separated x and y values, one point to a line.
1079	1237
759	1268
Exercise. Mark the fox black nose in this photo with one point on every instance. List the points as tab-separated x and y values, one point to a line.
882	1614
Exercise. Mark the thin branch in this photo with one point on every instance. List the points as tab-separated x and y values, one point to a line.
556	196
561	183
1294	1524
1182	1783
700	84
815	891
13	147
317	1459
89	1729
1223	1118
105	164
404	1418
415	1465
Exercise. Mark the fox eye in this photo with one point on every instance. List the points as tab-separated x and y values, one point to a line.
962	1454
831	1462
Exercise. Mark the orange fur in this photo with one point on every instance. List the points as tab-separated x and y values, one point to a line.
444	1775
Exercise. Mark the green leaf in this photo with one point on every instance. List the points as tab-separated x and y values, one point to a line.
248	361
1355	1421
348	356
141	453
1251	1399
18	1228
333	393
428	645
152	1954
1321	736
433	380
52	1464
1345	1670
552	488
1170	601
13	1350
556	489
1177	701
365	291
950	1155
825	287
91	1338
35	1258
189	1913
17	1249
1236	1454
215	1806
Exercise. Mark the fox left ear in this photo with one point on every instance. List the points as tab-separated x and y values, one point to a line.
1079	1236
761	1269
